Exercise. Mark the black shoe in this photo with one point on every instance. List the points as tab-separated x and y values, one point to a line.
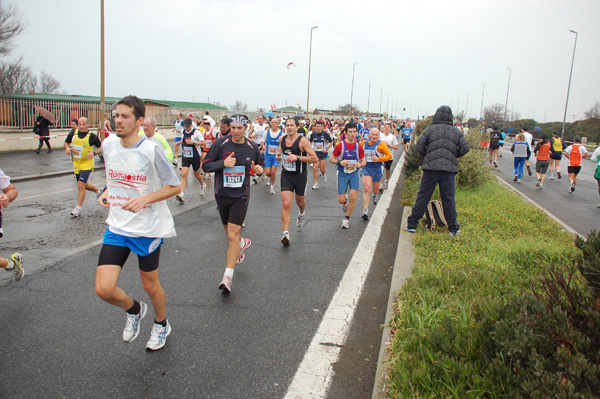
49	151
37	151
529	170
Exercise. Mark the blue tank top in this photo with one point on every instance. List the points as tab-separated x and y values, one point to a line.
351	155
370	150
272	144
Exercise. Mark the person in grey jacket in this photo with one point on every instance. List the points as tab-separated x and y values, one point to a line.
440	145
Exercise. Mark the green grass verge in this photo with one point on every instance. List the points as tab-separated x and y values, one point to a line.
504	246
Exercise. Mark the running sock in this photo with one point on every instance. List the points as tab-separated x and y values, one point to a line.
301	213
229	272
286	232
135	309
162	323
347	217
10	265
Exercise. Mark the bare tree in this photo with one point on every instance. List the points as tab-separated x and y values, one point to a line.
460	116
16	78
593	112
239	106
493	113
345	109
11	26
48	84
218	104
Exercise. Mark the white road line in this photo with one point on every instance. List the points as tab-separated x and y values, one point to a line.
44	194
315	373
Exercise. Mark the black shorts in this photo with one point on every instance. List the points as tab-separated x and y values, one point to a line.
193	162
405	141
388	164
502	144
541	166
232	210
574	169
557	156
494	146
117	255
83	175
295	182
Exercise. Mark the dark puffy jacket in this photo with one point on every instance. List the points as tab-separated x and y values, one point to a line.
442	144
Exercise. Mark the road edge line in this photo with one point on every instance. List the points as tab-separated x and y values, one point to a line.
315	373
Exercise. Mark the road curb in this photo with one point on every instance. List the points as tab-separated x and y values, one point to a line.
45	175
403	265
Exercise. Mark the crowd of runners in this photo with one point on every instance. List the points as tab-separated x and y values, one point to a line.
143	171
548	152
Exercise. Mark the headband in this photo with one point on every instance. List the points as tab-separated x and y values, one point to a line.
239	119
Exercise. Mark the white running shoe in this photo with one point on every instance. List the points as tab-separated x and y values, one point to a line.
76	212
325	178
132	326
315	186
17	268
226	283
245	245
551	176
345	223
285	239
158	336
179	197
203	189
272	190
300	220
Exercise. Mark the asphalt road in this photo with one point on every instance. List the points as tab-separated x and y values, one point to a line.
579	210
63	341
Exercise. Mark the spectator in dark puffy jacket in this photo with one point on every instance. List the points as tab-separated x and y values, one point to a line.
440	145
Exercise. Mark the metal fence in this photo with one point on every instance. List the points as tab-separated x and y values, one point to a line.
19	114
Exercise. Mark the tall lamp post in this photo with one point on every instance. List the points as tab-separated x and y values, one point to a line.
467	108
102	99
507	89
380	98
482	93
309	61
369	102
562	135
352	90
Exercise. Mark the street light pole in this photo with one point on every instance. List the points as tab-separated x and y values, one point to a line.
507	90
380	98
309	62
467	108
569	87
482	93
369	102
352	91
102	99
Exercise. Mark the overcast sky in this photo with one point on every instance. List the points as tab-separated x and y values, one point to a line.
423	53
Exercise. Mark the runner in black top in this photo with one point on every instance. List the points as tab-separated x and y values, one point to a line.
231	158
295	151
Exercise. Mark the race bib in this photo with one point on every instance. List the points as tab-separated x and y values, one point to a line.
289	166
350	168
319	145
188	152
208	144
369	154
272	150
77	151
234	176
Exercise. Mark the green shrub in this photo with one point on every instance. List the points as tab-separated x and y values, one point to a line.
472	170
412	160
590	262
